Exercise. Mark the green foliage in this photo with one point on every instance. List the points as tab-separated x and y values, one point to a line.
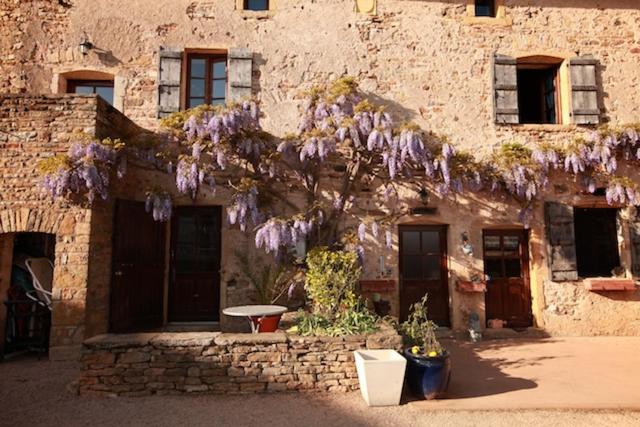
331	280
356	320
513	153
53	164
419	331
270	280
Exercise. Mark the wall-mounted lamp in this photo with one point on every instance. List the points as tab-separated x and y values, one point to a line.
424	195
467	248
85	45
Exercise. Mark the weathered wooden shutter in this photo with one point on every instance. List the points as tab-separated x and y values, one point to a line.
240	73
561	240
505	89
634	237
584	91
169	70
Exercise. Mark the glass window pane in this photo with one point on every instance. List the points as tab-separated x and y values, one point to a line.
194	102
217	101
219	69
198	67
411	242
257	4
106	93
492	242
219	89
197	88
431	268
493	268
512	268
84	89
511	243
431	242
411	267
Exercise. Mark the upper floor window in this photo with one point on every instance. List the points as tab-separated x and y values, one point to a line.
256	4
485	8
104	88
206	79
538	92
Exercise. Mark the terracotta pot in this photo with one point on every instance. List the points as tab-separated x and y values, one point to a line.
266	323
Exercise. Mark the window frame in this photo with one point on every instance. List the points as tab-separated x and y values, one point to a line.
493	9
544	66
245	6
210	55
72	84
614	238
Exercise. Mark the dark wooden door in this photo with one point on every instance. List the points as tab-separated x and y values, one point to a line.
194	290
423	270
506	265
137	284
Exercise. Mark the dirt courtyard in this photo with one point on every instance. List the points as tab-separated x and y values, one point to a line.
497	383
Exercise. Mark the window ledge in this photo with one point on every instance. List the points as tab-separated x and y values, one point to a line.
486	20
609	284
257	14
540	128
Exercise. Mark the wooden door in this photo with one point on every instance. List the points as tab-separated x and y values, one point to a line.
194	290
137	284
506	265
423	270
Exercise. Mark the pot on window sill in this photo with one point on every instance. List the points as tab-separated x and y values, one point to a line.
600	284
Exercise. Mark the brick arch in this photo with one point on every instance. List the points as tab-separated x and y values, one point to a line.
31	220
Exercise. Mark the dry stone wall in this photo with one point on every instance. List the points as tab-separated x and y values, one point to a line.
176	363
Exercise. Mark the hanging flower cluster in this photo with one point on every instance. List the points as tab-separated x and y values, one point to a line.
159	203
86	168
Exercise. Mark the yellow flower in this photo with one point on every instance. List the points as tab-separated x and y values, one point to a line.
433	354
415	349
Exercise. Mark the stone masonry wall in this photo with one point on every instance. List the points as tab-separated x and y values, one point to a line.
33	127
176	363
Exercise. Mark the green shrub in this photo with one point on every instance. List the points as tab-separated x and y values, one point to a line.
331	280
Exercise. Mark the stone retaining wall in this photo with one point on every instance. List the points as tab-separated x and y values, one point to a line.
176	363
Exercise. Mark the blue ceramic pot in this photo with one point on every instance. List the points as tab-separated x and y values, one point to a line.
428	377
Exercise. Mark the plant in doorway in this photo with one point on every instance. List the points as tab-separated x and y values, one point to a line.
429	365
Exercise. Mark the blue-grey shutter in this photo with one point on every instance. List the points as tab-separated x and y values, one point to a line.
169	76
505	90
561	240
584	91
240	73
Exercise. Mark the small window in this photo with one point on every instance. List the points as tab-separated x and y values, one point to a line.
104	88
256	4
503	253
485	8
207	79
596	240
538	94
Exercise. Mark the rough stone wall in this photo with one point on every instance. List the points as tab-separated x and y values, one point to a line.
144	364
423	60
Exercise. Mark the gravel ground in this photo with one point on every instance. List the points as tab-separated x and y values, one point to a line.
35	393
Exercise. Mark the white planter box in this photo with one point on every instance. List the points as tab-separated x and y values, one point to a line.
381	374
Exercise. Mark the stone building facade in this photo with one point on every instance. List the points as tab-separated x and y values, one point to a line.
432	62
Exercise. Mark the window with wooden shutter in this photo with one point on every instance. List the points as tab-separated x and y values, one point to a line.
584	91
169	70
561	240
505	88
240	73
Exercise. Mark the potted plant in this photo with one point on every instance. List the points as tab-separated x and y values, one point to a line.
428	364
271	282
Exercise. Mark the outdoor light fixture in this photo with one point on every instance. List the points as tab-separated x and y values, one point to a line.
85	45
424	195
